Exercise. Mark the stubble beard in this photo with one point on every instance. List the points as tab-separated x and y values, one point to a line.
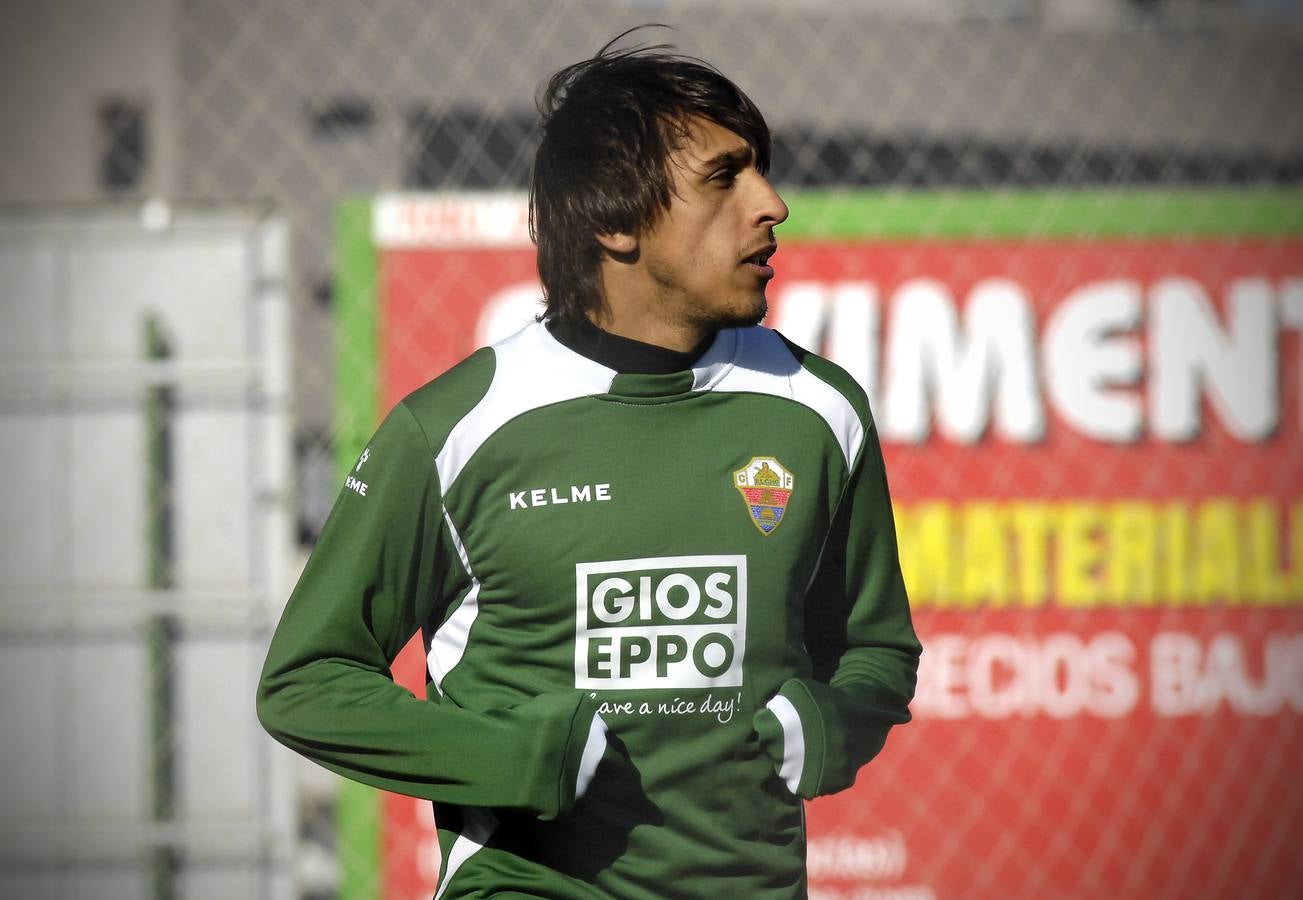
707	320
697	314
687	312
744	318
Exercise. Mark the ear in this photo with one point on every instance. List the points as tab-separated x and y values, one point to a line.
619	243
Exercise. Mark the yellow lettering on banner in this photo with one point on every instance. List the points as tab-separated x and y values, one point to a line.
985	573
907	550
1265	581
1217	553
1174	555
1132	566
1031	527
1296	553
1080	555
926	552
1087	555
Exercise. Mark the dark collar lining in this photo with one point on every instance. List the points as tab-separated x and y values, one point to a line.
624	355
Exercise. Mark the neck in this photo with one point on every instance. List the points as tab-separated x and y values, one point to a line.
648	330
631	309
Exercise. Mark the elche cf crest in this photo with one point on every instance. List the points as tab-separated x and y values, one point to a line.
766	486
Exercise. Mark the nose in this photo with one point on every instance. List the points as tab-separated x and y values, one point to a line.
770	208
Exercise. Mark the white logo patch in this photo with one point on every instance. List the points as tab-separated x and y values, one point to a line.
662	622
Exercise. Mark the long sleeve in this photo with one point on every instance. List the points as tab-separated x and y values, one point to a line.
861	641
385	564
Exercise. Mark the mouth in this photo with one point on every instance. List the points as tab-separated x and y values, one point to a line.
759	260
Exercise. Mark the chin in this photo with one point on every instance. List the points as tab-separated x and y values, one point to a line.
757	313
744	315
756	317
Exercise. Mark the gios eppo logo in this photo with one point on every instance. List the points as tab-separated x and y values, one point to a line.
662	622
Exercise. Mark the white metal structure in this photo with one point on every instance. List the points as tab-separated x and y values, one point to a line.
86	749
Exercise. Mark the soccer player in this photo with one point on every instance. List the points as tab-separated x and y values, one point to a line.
647	542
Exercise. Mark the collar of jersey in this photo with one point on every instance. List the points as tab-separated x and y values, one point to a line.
710	369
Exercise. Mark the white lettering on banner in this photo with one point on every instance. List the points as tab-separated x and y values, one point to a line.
846	313
1193	355
1190	677
665	622
1086	359
994	676
857	857
508	311
963	370
876	892
928	354
465	219
1062	675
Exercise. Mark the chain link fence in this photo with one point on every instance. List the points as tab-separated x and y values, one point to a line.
1048	145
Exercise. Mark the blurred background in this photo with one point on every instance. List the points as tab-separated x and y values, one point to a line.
1060	242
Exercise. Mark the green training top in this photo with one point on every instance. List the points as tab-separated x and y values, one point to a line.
658	610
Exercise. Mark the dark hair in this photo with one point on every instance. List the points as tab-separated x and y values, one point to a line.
609	126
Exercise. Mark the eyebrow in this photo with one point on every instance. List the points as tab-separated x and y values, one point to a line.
738	156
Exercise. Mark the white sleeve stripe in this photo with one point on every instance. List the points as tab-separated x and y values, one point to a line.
833	408
793	764
448	644
479	827
592	755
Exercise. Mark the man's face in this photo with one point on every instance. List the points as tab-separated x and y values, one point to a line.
707	255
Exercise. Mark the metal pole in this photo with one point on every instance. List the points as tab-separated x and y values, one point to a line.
161	630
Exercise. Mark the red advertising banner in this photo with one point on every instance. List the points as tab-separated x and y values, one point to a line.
1095	450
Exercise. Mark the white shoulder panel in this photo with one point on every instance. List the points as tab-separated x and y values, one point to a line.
762	364
532	370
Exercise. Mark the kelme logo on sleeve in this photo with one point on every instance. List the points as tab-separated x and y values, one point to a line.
766	486
663	622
